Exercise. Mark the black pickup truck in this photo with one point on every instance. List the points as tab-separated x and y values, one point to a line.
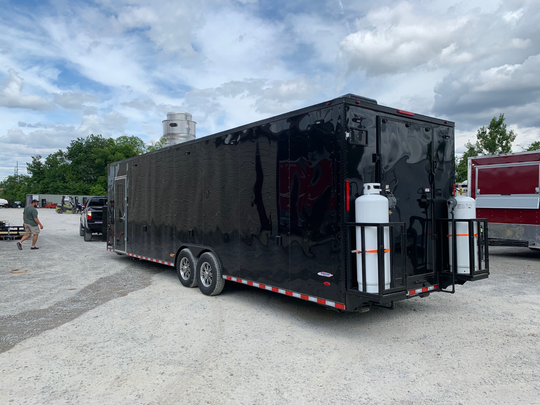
92	217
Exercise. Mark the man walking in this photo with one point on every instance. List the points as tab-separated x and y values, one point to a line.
32	224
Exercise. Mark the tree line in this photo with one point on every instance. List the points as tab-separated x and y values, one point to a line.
81	169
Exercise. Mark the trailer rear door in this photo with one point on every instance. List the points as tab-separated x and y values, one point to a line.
415	161
120	214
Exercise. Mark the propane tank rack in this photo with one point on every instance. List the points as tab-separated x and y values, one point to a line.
397	279
477	243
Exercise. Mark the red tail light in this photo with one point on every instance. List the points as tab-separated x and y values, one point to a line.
89	215
347	195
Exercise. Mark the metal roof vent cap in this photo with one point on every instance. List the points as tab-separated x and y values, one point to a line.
178	127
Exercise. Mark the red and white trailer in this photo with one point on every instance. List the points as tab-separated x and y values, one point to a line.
506	190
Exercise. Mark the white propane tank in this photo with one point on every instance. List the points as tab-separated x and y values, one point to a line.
465	209
372	207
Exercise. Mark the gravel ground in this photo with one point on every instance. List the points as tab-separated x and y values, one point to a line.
85	326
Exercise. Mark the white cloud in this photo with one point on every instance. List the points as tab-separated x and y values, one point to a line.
11	96
398	39
73	101
235	45
115	122
168	25
501	88
137	104
526	136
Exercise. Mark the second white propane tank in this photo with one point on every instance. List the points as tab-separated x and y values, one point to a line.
465	209
372	207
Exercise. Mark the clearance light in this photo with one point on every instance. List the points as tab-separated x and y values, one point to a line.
405	113
329	103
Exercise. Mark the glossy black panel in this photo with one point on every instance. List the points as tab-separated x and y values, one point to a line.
313	202
270	199
264	199
415	160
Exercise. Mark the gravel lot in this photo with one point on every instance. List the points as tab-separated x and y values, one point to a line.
85	326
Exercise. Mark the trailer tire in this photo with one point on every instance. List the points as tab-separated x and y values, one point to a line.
87	235
186	266
209	277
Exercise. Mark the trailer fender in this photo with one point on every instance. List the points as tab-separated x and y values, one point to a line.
197	250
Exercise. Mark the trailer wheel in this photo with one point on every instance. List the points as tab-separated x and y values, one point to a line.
186	265
87	235
209	274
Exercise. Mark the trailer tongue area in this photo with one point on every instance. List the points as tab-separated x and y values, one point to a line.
346	203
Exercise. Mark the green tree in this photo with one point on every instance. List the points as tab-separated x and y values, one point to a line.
491	140
56	172
15	188
36	169
156	145
533	146
131	145
81	168
461	164
495	139
89	157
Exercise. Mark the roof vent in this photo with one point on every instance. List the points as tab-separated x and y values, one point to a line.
178	128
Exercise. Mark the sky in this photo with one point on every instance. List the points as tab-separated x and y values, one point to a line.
72	68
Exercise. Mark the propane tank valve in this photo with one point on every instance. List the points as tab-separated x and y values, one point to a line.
451	202
392	200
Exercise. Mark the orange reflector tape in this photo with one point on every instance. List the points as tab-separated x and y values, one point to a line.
295	294
422	290
462	234
374	251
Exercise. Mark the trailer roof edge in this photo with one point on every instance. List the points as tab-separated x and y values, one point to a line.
349	98
506	154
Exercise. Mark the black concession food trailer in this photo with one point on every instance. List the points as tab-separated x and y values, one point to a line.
276	205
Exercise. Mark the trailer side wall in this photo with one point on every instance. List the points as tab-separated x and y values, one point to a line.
264	199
